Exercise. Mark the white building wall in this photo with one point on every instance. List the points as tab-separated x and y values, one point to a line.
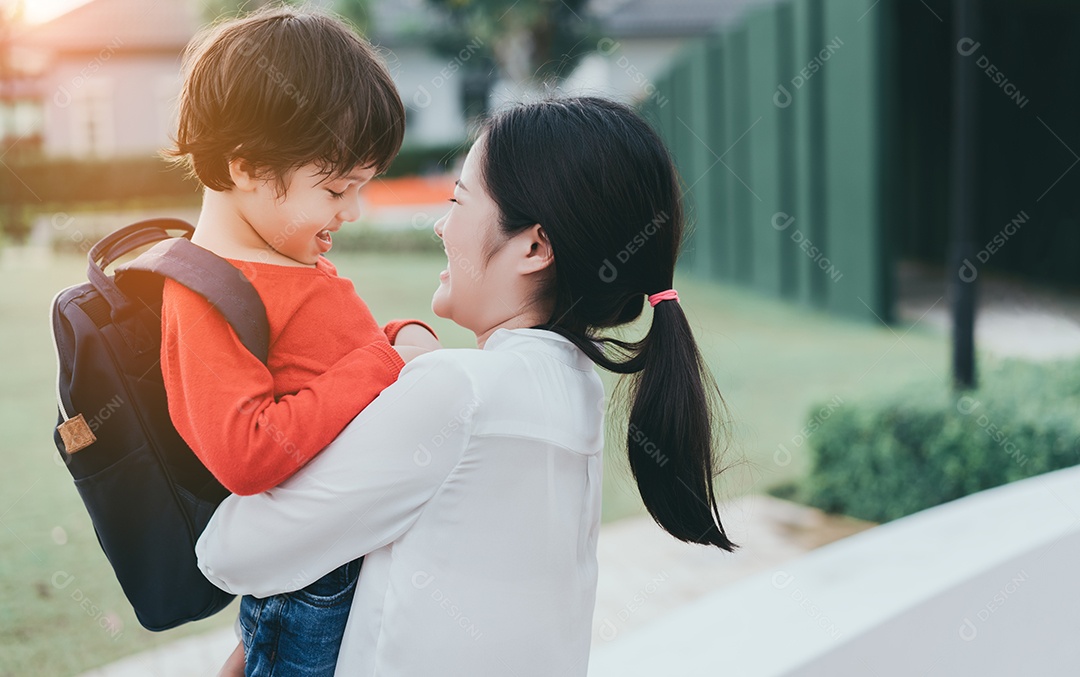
624	69
430	87
110	105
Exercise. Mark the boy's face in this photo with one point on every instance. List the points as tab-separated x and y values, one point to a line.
299	224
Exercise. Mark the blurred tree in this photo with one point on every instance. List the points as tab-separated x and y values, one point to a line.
214	9
356	11
528	41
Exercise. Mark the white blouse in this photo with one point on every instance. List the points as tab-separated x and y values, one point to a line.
472	484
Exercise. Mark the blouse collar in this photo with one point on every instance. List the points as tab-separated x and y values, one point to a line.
552	343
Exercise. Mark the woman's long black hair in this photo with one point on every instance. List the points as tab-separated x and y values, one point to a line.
602	185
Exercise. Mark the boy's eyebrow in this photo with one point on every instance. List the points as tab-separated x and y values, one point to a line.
461	185
354	176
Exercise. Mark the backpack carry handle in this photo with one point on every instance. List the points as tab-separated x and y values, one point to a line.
116	244
123	240
132	242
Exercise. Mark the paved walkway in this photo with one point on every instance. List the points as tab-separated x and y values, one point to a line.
644	574
1014	318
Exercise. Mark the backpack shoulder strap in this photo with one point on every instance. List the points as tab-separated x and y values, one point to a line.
213	278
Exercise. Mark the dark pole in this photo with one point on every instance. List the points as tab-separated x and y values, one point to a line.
962	272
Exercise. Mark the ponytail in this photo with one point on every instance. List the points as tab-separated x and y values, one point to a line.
673	403
669	438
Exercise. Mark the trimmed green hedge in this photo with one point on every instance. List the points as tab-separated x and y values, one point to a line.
887	457
36	184
68	181
363	238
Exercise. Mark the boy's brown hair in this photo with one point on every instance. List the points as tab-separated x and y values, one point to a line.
280	88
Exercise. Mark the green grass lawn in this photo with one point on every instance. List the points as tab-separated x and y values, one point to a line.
771	361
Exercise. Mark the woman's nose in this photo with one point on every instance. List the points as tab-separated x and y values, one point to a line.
439	227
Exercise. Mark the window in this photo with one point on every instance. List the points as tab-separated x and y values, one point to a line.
92	124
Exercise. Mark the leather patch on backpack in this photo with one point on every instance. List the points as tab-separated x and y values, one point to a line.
76	434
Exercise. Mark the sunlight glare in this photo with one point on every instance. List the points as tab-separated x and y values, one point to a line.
40	11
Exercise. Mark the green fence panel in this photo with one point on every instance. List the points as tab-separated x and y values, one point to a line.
801	94
719	180
790	263
736	158
695	121
851	253
689	160
673	136
763	139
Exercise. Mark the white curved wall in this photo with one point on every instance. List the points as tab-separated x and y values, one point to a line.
985	585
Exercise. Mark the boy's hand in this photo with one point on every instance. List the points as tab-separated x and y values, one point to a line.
416	336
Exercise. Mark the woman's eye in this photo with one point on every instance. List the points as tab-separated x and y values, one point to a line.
336	196
454	201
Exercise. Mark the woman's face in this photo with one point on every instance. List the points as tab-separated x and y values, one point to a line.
469	288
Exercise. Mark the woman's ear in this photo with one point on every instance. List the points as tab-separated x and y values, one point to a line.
538	254
242	175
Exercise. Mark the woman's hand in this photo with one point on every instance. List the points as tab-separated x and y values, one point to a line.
416	336
234	665
410	353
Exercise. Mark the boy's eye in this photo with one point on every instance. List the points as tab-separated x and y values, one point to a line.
336	196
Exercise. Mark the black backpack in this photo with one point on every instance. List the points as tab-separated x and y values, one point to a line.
148	495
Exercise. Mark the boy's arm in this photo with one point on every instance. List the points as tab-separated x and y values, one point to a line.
221	398
364	491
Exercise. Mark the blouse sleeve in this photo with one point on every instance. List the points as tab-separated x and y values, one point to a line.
362	492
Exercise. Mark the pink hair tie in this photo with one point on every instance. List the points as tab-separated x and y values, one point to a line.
669	295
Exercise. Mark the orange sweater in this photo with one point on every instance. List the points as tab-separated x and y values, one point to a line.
254	425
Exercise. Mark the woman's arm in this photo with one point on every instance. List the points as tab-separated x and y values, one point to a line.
364	491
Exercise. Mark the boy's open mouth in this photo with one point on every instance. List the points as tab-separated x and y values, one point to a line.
325	240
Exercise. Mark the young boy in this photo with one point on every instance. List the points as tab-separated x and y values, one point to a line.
284	116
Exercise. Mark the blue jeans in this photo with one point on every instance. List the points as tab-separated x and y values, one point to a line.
298	633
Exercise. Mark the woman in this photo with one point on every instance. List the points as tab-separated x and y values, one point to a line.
472	485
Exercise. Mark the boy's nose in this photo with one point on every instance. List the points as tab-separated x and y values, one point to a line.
351	210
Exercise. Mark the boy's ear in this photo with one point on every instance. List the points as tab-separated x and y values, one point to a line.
243	175
536	249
